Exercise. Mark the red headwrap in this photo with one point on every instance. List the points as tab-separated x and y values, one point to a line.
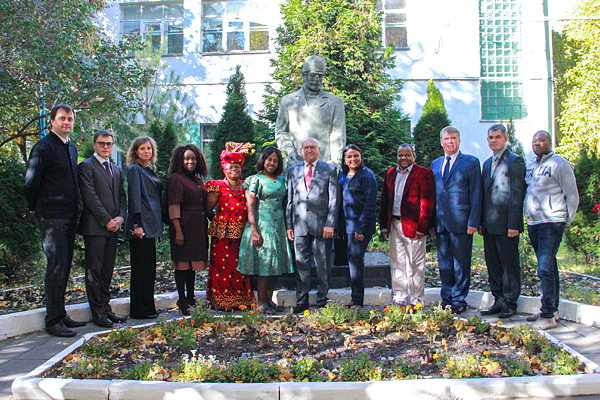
235	153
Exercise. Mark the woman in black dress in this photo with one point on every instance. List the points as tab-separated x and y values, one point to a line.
144	225
186	199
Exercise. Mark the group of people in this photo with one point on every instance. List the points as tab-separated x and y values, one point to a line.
255	224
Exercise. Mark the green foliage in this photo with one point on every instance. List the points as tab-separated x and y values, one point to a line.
513	144
252	370
347	34
577	70
528	261
199	369
166	140
584	233
19	234
55	51
426	133
307	368
235	126
361	369
161	100
405	370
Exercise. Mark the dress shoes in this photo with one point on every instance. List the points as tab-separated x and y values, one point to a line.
458	309
183	307
151	316
102	321
71	323
507	312
300	308
116	319
59	329
495	309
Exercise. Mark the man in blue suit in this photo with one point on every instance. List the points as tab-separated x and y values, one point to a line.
458	215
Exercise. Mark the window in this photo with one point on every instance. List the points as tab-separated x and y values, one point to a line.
163	23
501	60
235	26
394	23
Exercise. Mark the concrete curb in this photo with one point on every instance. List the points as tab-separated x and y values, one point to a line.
18	324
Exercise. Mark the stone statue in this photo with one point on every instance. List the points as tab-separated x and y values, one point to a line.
311	112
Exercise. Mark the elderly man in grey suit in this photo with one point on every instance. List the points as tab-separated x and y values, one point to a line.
104	210
311	112
311	216
502	221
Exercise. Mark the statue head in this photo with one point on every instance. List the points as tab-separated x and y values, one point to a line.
313	72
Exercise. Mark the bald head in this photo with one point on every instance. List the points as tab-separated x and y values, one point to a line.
310	150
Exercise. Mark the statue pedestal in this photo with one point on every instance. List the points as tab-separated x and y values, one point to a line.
377	273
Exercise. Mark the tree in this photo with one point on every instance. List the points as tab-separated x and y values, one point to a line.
347	34
513	144
426	133
577	70
235	125
54	52
166	140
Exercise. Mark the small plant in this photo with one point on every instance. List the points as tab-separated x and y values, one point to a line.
307	369
461	365
361	368
404	370
139	372
199	369
252	370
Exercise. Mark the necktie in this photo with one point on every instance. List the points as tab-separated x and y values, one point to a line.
308	176
446	173
107	167
494	165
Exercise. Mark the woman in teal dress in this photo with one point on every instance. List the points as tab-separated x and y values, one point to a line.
264	250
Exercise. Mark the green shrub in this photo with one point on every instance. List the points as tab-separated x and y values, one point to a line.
20	243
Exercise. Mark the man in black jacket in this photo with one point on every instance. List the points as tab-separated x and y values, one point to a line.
502	221
52	193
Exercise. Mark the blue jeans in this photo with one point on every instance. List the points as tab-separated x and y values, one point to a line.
545	239
356	265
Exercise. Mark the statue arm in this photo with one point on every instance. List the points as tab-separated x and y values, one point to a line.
282	132
337	139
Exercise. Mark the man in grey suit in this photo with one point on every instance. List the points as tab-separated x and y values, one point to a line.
311	216
311	112
104	210
501	221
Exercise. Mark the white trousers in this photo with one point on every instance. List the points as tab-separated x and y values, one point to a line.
407	261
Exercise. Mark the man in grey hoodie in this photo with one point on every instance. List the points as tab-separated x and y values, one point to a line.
550	205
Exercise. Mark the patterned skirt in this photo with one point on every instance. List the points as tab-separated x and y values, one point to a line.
227	288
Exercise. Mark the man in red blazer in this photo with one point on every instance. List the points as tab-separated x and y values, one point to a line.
407	207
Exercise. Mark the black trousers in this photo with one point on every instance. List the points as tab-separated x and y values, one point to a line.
100	253
143	275
504	268
58	241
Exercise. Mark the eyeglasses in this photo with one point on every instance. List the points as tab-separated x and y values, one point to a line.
105	144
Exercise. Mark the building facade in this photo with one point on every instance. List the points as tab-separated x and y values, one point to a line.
489	58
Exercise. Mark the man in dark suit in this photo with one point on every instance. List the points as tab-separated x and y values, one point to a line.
51	190
502	221
458	216
311	216
405	214
104	210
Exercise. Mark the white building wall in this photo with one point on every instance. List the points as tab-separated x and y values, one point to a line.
443	38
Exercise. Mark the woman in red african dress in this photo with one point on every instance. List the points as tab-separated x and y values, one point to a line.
227	288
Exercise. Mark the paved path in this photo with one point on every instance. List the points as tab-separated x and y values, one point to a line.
19	356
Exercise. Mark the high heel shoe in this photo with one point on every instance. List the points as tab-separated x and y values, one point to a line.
183	308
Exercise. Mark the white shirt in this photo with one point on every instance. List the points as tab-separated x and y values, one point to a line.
399	188
65	141
102	160
314	164
452	159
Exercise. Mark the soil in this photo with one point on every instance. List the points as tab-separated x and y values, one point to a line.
281	340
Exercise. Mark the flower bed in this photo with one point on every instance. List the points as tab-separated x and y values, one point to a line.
334	344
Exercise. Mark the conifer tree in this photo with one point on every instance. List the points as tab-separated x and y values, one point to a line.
166	140
347	34
513	144
426	133
235	125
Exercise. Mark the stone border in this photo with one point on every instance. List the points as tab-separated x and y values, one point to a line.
32	386
18	324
